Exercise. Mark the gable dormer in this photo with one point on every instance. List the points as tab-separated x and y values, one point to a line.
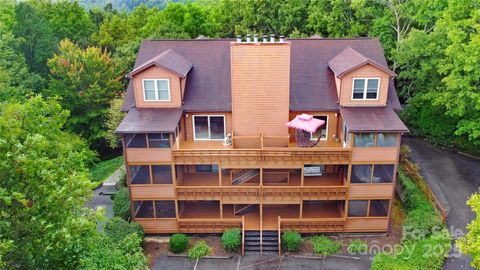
360	81
160	81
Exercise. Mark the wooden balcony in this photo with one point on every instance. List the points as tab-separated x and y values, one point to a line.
312	225
280	194
227	194
208	225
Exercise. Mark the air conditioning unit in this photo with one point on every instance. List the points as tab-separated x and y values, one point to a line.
314	170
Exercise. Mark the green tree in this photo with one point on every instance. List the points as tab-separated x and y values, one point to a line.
470	243
86	81
36	39
114	117
43	186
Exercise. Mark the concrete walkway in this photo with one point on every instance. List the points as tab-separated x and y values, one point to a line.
251	262
101	195
453	178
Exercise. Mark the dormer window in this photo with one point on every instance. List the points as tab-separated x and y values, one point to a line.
365	88
156	90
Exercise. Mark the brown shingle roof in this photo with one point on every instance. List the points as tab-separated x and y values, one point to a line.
367	119
169	60
150	121
208	87
349	59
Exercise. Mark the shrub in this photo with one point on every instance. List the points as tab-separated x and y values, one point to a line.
232	239
324	246
178	242
199	250
117	229
121	204
357	246
291	241
426	250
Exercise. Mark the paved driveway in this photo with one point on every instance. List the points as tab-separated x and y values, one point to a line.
453	178
251	262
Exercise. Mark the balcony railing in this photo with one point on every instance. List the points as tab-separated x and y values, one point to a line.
284	193
312	224
227	193
248	194
208	225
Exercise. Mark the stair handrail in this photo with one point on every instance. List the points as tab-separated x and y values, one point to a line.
261	236
279	237
243	235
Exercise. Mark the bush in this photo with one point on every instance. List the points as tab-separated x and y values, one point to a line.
178	242
199	250
357	246
291	241
232	239
121	204
117	229
431	244
324	246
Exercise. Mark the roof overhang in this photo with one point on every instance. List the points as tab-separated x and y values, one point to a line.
372	119
150	121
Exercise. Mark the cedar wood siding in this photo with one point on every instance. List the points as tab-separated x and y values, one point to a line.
157	73
366	71
260	77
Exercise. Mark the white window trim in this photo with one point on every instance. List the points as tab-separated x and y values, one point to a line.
365	88
224	127
156	90
326	132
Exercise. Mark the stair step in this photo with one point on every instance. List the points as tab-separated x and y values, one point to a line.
249	233
270	233
252	248
270	244
252	243
270	248
269	238
252	238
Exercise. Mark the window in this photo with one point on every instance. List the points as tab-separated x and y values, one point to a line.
161	140
321	131
364	140
162	174
379	208
156	90
208	127
165	209
135	141
361	174
365	88
386	139
143	209
383	173
139	174
357	208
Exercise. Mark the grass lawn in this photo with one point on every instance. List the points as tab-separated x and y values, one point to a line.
104	169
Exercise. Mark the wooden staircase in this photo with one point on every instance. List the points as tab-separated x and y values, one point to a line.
243	209
242	176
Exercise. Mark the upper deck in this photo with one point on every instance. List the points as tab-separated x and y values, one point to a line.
251	150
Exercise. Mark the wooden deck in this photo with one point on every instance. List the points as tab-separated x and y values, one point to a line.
212	179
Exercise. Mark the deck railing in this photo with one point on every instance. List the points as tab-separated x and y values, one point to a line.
208	225
312	224
216	193
279	237
282	193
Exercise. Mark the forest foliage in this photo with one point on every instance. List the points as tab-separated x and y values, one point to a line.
79	52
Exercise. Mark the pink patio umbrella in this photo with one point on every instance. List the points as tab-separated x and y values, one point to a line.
306	123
